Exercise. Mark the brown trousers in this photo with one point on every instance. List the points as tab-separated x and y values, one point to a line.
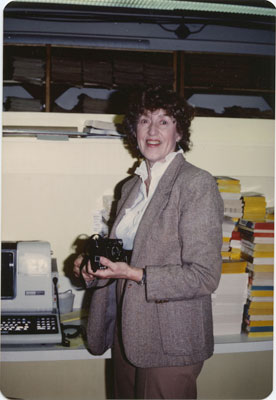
152	383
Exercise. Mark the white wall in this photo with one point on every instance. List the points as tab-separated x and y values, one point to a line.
49	192
242	148
50	189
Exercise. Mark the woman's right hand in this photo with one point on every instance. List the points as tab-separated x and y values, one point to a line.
86	272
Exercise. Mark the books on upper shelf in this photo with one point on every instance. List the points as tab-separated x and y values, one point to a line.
99	124
27	69
97	71
100	128
13	103
66	69
254	206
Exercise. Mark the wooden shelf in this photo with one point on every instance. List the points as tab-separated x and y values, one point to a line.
192	73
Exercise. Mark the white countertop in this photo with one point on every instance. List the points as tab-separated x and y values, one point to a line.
78	351
241	344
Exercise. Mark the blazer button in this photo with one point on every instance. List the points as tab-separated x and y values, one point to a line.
129	285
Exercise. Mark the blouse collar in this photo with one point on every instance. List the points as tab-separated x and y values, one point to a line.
158	167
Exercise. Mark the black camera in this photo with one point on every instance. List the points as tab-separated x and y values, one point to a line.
98	246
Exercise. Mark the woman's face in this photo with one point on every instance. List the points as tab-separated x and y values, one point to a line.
156	135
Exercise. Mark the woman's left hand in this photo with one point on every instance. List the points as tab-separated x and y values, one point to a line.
117	270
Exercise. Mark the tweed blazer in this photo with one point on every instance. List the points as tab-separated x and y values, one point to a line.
168	321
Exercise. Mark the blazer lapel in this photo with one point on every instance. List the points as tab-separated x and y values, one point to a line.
157	203
126	203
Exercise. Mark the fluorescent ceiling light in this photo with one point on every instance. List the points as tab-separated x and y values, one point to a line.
169	5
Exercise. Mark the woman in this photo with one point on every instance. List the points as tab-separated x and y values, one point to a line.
170	216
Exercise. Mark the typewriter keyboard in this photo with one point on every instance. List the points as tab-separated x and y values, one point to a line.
28	324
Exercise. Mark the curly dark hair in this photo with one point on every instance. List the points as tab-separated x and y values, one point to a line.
155	98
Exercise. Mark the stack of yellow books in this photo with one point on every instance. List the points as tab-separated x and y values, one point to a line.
228	184
258	317
234	266
254	206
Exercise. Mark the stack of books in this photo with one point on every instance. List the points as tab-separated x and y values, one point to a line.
244	297
228	303
230	190
30	70
254	206
230	297
258	249
228	228
97	72
127	71
257	244
158	74
22	104
234	266
92	105
269	216
235	246
258	311
66	69
98	128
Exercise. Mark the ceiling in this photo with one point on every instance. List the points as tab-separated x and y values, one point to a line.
187	26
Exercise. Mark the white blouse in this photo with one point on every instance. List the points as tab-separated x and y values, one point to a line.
127	227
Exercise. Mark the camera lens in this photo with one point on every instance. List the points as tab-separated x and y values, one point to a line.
115	252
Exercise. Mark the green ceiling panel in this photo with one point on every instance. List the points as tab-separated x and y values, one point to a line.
169	5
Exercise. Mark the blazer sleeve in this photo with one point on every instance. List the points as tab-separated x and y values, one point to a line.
200	240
